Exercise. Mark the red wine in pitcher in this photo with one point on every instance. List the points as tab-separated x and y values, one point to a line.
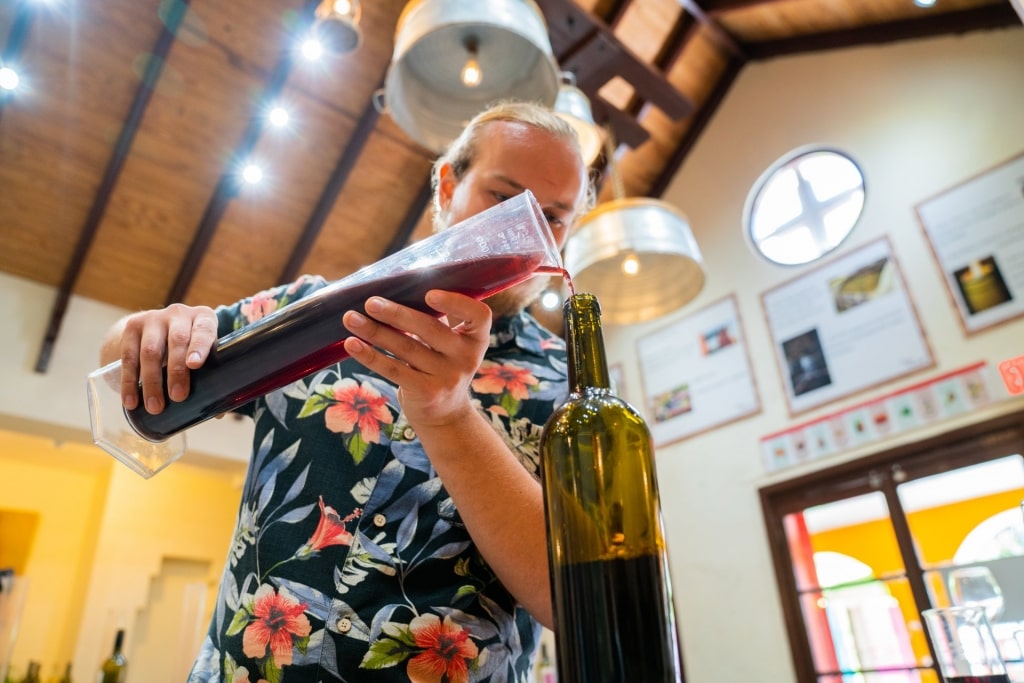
308	335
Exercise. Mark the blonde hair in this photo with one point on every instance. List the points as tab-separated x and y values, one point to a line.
461	152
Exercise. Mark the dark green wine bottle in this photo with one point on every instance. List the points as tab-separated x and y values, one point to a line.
614	620
114	667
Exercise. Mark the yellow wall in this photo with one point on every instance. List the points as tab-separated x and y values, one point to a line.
101	536
939	531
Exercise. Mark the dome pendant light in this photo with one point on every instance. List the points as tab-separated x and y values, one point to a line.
637	255
453	58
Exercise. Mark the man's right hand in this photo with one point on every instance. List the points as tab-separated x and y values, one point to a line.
178	337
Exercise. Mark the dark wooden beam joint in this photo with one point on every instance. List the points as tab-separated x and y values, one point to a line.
587	47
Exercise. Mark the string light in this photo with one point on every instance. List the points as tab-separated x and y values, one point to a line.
631	265
278	116
252	173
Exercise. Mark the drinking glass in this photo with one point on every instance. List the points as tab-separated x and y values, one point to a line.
965	648
975	586
484	254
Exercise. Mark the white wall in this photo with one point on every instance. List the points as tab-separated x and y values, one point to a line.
54	403
918	117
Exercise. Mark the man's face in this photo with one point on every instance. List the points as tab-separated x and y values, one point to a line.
512	157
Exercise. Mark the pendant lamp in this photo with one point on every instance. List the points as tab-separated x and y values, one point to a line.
637	255
453	58
336	25
573	105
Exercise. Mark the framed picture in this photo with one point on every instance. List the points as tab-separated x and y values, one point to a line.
843	327
696	373
976	234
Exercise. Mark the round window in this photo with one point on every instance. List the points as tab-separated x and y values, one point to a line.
804	206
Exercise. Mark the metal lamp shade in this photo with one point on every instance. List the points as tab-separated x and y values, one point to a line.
658	236
573	106
423	90
337	25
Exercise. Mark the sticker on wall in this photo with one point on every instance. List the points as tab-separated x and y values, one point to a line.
939	398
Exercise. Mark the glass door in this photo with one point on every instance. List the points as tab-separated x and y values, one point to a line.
861	549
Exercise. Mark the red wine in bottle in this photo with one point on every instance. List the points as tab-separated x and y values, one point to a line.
308	335
614	620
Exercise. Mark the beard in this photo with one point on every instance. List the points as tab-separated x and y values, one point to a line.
515	299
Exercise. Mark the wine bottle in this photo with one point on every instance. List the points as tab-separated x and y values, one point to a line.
66	678
113	668
33	673
612	600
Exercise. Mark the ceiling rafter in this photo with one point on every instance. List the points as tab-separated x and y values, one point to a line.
101	200
953	22
329	195
228	184
585	45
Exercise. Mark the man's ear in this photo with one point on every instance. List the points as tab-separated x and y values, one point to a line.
446	183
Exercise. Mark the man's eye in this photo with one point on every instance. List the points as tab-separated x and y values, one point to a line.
552	219
500	196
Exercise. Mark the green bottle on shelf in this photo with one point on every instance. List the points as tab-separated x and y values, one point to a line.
113	668
66	678
33	673
614	620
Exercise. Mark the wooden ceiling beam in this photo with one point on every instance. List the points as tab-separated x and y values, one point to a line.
721	36
329	195
698	123
228	185
101	200
955	22
588	47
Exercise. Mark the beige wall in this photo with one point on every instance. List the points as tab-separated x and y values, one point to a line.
918	117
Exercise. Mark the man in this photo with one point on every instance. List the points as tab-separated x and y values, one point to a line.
392	522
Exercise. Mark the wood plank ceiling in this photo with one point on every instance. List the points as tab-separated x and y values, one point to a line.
119	149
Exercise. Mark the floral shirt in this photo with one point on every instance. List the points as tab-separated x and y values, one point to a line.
349	561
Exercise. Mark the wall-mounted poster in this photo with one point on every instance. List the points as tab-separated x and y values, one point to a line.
696	373
976	233
844	327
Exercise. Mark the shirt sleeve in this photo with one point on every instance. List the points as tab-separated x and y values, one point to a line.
250	309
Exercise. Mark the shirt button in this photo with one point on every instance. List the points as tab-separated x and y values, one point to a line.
408	433
344	625
379	520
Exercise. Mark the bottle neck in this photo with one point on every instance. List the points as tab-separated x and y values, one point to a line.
588	366
118	642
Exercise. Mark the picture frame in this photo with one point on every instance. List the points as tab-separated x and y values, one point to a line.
843	327
696	373
975	233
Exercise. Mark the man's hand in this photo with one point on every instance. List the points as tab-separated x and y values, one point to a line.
430	360
179	337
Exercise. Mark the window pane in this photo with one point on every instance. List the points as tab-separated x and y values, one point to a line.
858	528
871	627
967	515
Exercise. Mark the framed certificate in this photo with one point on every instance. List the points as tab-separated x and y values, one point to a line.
696	373
843	327
976	234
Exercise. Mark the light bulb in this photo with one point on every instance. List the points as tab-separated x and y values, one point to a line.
252	174
471	73
312	49
8	78
279	116
343	7
550	300
631	265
